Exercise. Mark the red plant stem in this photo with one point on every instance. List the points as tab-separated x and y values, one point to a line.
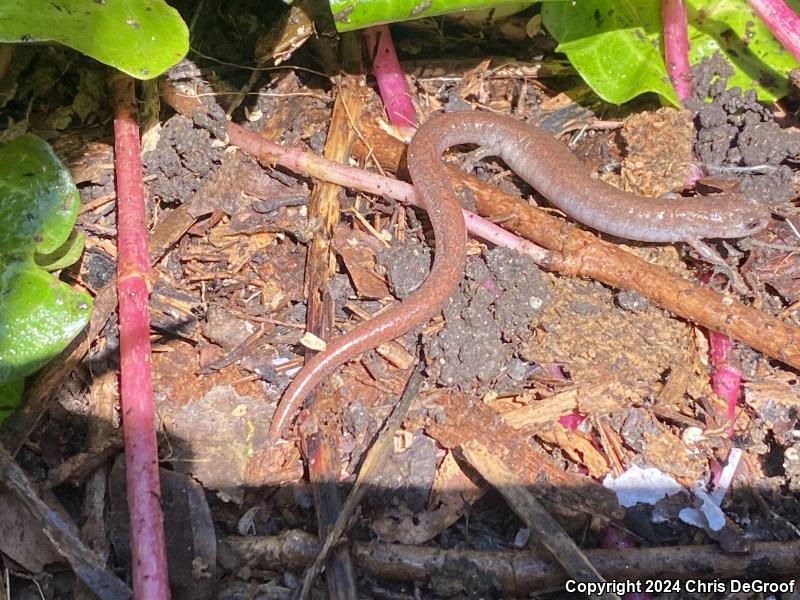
390	77
148	551
726	379
719	348
782	21
676	46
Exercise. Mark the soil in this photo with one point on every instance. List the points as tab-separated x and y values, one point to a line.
182	159
485	321
737	134
588	379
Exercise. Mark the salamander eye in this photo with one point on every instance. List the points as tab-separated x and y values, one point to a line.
757	225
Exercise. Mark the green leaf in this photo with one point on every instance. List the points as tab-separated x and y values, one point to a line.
39	315
355	14
142	38
38	201
64	256
616	46
10	397
760	62
613	45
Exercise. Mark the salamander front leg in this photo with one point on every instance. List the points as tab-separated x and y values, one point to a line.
720	266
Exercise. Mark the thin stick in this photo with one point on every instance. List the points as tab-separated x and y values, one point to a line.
528	508
373	463
522	572
322	452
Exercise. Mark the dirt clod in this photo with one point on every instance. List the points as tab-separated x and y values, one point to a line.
659	152
487	319
734	130
183	157
584	330
407	265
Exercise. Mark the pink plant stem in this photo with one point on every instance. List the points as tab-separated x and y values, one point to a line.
571	421
782	21
333	172
390	76
148	551
676	46
616	539
726	379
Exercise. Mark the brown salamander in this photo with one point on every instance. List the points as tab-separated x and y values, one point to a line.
552	169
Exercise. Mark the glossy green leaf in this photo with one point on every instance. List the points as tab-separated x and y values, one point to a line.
39	315
355	14
142	38
67	254
760	62
613	45
616	46
38	201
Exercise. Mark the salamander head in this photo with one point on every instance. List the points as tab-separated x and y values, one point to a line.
729	216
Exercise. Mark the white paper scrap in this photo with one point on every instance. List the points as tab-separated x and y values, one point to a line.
642	486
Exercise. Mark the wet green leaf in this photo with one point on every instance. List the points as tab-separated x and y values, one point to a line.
142	38
39	315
